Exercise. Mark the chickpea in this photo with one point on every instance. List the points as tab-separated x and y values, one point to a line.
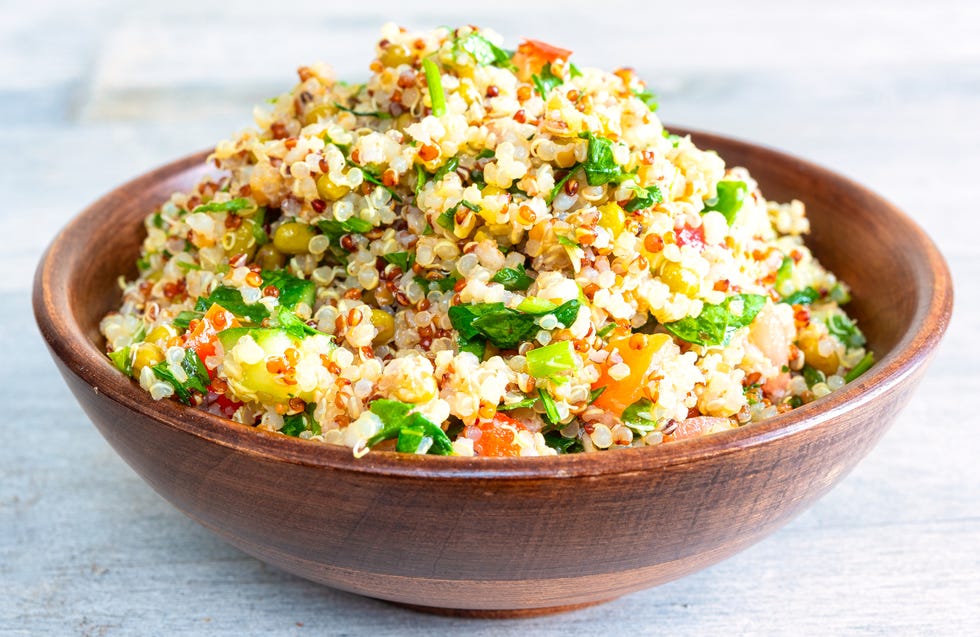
680	279
385	324
293	237
395	54
329	190
147	355
269	258
241	240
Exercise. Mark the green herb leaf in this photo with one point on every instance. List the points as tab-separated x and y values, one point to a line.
513	279
784	273
183	320
378	114
295	424
595	393
403	260
568	243
573	71
527	402
845	331
806	296
813	376
421	178
449	167
185	266
242	203
731	195
647	98
231	299
434	79
370	177
336	229
294	325
292	290
561	183
484	51
718	323
639	417
644	198
600	165
546	81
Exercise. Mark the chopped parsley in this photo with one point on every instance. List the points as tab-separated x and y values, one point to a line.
731	196
644	198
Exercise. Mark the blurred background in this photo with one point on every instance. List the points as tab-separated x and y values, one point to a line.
93	93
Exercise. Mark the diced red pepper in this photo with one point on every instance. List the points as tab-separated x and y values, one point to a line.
694	237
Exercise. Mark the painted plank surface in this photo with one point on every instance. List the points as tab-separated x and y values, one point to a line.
888	93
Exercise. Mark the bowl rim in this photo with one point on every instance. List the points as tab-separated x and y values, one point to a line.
67	342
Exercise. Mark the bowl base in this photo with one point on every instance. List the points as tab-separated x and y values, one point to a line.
489	613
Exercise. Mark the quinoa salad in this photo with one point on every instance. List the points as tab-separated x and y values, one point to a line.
479	251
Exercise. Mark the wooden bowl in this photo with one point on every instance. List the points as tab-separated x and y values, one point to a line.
517	535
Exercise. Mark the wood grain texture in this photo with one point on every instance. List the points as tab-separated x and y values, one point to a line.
439	532
885	92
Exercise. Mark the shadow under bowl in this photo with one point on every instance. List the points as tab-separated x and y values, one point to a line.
518	535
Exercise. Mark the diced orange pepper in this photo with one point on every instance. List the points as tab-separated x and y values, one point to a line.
494	437
637	351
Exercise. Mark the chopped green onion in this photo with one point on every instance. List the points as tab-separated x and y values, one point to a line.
551	360
550	409
863	365
434	80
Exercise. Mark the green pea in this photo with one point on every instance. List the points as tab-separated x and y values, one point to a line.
293	237
269	258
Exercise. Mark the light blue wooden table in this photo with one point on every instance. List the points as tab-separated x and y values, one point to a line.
886	92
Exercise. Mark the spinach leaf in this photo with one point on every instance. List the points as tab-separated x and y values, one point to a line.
644	198
197	376
415	433
639	417
513	279
806	296
845	331
295	424
731	195
718	323
241	203
600	166
231	299
562	444
504	327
